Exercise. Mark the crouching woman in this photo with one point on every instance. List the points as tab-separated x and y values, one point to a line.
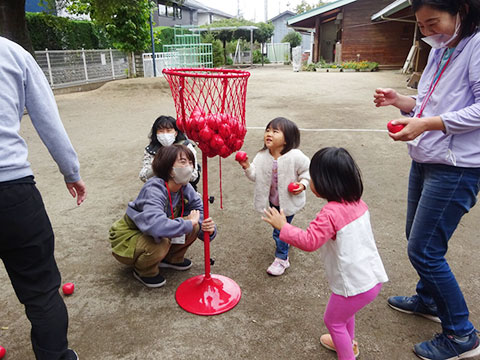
163	221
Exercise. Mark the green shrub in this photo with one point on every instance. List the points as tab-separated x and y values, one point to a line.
58	33
294	38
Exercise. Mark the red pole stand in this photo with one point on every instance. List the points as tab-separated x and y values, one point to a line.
207	294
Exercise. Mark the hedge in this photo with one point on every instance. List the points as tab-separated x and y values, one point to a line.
59	33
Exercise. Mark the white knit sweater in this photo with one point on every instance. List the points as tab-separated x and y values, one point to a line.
292	167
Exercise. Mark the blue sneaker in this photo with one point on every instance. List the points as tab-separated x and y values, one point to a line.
413	305
446	347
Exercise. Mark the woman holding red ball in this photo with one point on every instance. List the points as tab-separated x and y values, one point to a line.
443	134
278	164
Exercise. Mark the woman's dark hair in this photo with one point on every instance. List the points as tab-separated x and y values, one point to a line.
165	158
164	122
290	132
335	175
469	11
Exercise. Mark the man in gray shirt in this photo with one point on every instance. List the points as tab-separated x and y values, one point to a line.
26	237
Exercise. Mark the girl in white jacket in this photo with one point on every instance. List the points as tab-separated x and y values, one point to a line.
280	173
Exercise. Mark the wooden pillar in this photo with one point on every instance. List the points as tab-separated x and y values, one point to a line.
316	44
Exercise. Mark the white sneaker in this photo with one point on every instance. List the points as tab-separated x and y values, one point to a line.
278	267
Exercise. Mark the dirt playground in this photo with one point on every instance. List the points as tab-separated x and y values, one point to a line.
113	316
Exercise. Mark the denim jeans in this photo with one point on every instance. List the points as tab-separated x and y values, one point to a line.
281	250
438	197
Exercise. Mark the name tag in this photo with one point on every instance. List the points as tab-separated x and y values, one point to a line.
178	240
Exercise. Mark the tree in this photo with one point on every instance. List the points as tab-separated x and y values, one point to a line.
261	35
304	6
294	38
12	23
126	22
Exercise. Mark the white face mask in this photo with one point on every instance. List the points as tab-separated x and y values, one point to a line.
439	41
166	139
182	175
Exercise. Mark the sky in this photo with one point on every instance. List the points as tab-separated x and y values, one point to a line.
255	9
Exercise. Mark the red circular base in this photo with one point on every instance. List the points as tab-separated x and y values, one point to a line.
208	296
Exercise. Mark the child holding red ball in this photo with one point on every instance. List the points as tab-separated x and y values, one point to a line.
278	164
343	232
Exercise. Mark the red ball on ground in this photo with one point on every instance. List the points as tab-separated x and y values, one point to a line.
293	187
241	156
2	352
394	128
68	288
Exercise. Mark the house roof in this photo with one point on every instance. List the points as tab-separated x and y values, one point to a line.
204	8
318	11
391	9
287	12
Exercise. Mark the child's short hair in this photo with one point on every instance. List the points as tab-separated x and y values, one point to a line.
164	122
335	175
165	158
290	132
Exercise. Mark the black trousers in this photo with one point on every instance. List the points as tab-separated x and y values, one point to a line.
26	249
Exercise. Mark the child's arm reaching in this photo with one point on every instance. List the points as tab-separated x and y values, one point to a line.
303	170
248	167
318	232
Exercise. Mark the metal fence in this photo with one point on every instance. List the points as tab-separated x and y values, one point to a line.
278	52
73	67
193	55
178	56
162	61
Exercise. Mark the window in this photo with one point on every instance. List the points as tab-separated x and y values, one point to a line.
174	12
162	10
178	12
170	12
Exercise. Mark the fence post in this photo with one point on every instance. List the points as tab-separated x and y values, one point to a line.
84	64
49	67
111	60
134	65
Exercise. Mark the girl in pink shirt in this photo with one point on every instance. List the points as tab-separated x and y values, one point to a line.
343	232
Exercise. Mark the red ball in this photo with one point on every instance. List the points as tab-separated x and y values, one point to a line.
180	124
68	288
232	139
2	352
216	142
394	128
205	134
197	112
224	130
212	121
293	187
224	151
241	156
238	145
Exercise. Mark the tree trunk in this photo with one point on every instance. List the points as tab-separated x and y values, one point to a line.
12	23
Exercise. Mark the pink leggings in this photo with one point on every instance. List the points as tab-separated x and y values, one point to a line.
339	318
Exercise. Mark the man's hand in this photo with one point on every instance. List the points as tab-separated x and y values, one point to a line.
78	189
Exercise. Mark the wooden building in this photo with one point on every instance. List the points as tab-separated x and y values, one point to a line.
346	31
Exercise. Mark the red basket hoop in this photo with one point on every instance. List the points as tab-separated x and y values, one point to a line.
210	105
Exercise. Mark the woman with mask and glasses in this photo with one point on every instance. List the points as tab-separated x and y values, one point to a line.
443	137
163	221
164	133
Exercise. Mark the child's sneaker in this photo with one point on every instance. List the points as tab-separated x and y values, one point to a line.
278	267
327	342
445	347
